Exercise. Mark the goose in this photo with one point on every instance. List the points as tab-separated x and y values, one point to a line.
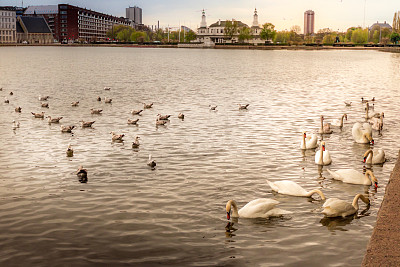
257	208
363	100
53	120
45	105
136	143
213	107
75	104
136	112
348	104
339	122
82	174
351	176
11	93
243	106
160	122
67	129
70	151
18	109
325	128
370	107
376	123
133	122
152	163
1	89
15	124
98	98
107	88
322	156
95	111
308	142
146	106
107	100
163	117
334	207
291	188
362	133
43	98
6	100
377	157
87	123
373	99
117	137
38	115
181	116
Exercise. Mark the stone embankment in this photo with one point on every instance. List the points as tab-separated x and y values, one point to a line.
384	246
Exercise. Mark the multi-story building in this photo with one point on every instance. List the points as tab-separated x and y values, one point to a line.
216	32
309	22
134	14
71	23
8	33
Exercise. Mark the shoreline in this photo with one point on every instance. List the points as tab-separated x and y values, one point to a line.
232	47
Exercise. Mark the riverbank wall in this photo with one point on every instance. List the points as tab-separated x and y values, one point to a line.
384	246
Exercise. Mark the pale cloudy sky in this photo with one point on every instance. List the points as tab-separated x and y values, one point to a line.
334	14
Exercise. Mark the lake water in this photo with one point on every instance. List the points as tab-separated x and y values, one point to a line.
128	214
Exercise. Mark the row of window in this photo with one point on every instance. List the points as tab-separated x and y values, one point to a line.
2	33
7	26
7	19
7	14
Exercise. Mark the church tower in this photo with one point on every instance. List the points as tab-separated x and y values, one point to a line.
255	18
203	23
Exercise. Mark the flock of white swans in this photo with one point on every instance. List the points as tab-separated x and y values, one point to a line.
332	207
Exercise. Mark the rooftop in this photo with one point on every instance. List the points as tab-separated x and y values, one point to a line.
35	24
42	10
222	23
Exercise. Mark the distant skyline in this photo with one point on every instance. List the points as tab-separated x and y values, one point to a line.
333	14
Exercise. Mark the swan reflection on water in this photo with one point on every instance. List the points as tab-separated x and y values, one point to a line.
229	230
338	223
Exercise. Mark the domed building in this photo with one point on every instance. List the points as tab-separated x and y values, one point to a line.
215	33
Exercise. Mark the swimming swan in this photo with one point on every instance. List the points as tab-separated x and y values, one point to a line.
334	207
339	122
352	176
308	142
377	157
322	156
325	128
291	188
258	208
362	133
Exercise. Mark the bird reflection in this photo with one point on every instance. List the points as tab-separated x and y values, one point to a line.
229	230
338	223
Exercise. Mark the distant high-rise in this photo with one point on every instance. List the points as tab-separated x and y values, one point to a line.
308	22
134	14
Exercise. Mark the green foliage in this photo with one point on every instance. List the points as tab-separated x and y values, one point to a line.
395	37
329	38
268	32
396	22
190	36
139	37
231	28
359	36
244	34
125	35
114	31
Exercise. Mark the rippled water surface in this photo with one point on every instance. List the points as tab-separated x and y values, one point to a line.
129	214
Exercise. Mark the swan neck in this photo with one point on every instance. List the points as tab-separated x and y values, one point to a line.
303	145
321	151
363	198
317	191
234	208
322	123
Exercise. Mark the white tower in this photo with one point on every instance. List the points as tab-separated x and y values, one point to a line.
255	18
203	23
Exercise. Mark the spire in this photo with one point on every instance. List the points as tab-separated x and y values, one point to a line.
255	18
203	23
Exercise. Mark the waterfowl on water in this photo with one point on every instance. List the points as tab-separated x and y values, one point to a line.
95	111
325	127
212	107
107	100
54	120
133	122
70	151
107	88
258	208
136	112
15	124
308	142
348	104
87	123
6	100
351	176
67	129
163	117
181	116
45	105
18	109
145	106
334	207
160	122
339	122
11	93
362	133
136	143
43	98
243	106
82	174
322	156
374	157
291	188
152	163
98	98
38	115
74	104
117	137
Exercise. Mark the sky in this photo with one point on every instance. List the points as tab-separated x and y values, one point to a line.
333	14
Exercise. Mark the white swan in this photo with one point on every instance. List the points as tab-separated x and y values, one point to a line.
362	133
291	188
376	123
339	122
377	157
258	208
325	128
352	176
308	142
322	156
334	207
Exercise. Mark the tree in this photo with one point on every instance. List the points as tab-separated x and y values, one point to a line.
125	34
395	37
396	22
268	32
329	38
296	29
359	36
139	37
113	32
190	36
244	34
231	27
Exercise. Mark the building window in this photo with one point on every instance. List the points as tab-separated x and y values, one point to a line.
63	17
63	7
63	12
63	25
222	31
63	21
